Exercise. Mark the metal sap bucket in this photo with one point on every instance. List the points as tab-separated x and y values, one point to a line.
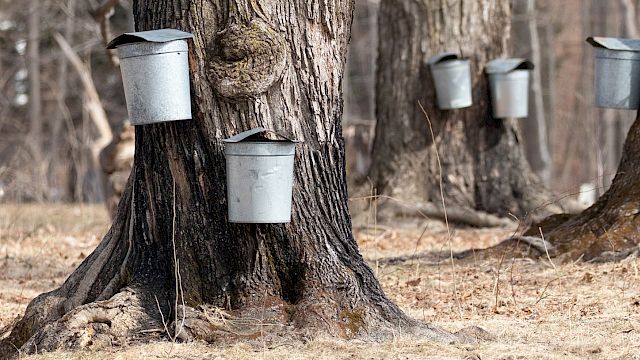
452	79
617	80
155	74
509	84
259	177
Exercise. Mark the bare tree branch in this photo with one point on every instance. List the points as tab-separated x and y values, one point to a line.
94	105
102	15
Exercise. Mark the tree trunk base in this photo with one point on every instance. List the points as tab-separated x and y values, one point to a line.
129	317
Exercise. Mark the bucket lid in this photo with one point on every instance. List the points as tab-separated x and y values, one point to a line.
156	36
498	66
618	44
443	57
259	134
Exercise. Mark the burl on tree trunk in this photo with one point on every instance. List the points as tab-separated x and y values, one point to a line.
253	63
483	165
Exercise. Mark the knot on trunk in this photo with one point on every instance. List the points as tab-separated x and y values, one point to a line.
248	60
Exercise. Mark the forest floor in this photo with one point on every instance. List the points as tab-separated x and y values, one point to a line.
535	310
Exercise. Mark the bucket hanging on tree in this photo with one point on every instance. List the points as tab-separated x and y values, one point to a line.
452	80
155	74
617	79
259	177
509	84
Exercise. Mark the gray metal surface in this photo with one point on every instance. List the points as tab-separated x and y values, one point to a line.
503	66
259	179
156	85
452	80
510	94
617	79
151	48
157	36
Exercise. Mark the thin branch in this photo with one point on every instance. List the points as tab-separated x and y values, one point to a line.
444	208
102	15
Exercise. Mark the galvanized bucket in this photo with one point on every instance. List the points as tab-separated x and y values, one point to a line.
617	79
155	74
259	177
452	79
509	85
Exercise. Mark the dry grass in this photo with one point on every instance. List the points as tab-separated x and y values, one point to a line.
573	311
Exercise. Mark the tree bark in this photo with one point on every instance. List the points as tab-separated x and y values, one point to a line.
170	247
483	166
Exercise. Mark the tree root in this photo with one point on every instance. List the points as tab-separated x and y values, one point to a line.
542	248
95	325
454	214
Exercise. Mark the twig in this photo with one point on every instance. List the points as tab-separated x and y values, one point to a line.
546	250
444	207
178	276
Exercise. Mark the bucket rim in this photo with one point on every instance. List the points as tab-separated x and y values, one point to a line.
142	49
451	63
245	137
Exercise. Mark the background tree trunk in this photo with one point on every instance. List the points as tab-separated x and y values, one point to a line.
527	44
35	140
483	165
171	239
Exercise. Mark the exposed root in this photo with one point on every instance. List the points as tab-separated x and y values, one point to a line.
612	256
540	246
96	325
455	214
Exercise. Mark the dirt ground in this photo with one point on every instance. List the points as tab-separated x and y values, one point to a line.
535	310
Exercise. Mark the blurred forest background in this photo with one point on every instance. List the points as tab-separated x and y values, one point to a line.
61	96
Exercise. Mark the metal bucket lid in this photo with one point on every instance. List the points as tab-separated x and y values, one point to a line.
259	142
616	44
154	36
503	66
444	57
150	48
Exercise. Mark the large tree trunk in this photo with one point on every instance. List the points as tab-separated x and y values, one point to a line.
252	64
483	166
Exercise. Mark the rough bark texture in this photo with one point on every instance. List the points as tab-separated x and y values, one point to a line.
483	165
289	59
